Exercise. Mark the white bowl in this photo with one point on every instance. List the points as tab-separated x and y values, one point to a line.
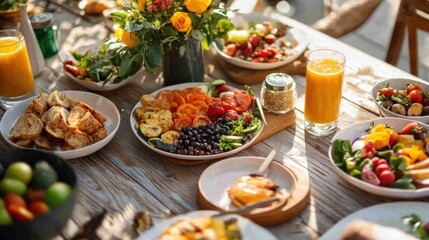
386	214
398	83
98	86
133	123
216	179
292	34
248	229
357	130
99	103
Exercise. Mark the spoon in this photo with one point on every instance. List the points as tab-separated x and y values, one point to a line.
250	207
267	160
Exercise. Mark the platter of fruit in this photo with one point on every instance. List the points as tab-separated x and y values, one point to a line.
203	225
386	156
404	98
97	69
260	43
197	121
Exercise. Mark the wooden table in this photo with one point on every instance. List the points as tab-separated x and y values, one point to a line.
126	172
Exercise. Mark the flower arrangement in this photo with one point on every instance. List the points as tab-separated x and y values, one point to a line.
150	27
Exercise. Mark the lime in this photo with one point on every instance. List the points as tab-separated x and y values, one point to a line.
57	194
10	185
20	171
43	175
5	218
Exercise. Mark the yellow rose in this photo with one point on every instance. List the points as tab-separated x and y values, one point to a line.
128	38
197	6
181	21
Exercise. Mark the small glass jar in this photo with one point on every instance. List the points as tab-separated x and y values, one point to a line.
44	30
278	93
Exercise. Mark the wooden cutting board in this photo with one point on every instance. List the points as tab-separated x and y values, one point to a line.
275	124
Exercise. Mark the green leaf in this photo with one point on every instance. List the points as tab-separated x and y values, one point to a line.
153	56
133	26
197	34
124	67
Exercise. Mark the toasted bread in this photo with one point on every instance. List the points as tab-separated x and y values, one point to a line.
77	139
24	143
73	101
56	122
100	117
44	141
39	105
28	127
83	120
99	135
58	99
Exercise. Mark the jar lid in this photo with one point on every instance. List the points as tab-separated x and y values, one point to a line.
278	81
42	20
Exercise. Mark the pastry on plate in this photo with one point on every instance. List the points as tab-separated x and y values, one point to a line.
251	189
364	230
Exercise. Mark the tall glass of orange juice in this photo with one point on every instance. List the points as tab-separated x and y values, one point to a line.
16	78
324	83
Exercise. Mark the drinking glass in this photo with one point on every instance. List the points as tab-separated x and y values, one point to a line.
324	83
16	78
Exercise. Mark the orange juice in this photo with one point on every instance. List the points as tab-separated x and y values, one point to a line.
323	91
16	78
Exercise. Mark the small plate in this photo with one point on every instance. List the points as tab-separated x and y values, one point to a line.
357	130
292	34
398	83
386	214
133	123
248	229
99	103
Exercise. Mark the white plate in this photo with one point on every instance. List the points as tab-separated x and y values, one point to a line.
216	179
387	214
99	103
248	229
398	83
180	156
357	130
292	34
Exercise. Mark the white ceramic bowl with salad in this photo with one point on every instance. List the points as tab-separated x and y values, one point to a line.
354	134
400	84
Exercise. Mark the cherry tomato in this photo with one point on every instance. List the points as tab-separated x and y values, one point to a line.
230	49
412	87
68	62
387	178
415	96
14	199
201	120
34	195
20	214
410	128
381	168
71	69
387	92
38	208
375	161
182	121
227	106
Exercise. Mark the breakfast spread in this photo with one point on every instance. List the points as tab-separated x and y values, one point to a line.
251	189
386	157
57	119
262	43
410	101
202	228
204	120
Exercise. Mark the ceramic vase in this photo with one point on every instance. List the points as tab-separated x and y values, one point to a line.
187	68
34	53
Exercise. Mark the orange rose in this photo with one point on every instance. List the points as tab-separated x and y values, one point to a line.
181	21
128	38
197	6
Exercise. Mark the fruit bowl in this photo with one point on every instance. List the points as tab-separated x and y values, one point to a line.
50	224
398	83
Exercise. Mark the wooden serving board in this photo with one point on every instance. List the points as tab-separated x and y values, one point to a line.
275	124
275	215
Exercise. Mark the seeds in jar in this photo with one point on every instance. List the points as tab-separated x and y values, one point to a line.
278	101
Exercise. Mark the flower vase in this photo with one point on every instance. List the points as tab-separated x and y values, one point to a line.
187	68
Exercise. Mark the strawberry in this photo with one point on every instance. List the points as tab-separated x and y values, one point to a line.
231	114
226	106
270	38
247	50
230	49
71	69
271	52
215	112
221	88
263	53
254	41
248	118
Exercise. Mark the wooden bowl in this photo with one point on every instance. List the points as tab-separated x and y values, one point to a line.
12	14
216	179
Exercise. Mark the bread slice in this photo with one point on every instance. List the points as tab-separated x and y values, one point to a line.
100	117
28	127
44	141
77	139
72	100
58	99
56	122
24	143
99	135
39	105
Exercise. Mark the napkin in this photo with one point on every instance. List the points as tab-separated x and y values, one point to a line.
249	76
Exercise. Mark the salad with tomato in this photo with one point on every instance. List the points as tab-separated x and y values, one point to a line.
410	101
204	120
386	157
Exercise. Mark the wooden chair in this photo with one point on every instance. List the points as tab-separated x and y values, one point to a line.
412	15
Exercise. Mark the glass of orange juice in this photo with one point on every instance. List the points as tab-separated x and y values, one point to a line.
324	83
16	78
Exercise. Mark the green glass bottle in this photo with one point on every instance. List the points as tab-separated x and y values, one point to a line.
42	24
